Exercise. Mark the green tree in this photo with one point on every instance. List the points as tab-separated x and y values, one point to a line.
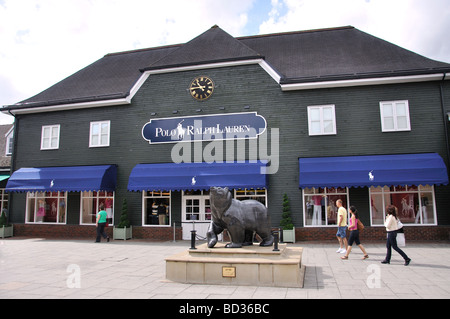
286	219
124	221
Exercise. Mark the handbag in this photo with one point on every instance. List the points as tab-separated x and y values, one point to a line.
360	225
399	225
401	240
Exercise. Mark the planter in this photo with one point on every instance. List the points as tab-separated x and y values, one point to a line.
6	231
123	233
289	236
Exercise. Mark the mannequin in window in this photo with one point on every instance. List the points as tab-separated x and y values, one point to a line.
162	214
317	212
108	209
154	216
422	210
41	211
62	211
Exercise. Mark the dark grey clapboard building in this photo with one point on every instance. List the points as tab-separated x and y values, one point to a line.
317	115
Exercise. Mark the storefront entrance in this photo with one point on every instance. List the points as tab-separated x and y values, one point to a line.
196	212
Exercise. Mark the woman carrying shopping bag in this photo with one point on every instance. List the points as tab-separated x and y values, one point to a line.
391	225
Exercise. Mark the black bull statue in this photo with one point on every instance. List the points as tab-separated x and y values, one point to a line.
240	218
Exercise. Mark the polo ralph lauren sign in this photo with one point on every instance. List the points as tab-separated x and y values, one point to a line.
204	128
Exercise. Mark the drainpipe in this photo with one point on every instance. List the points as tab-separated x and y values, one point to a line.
441	86
14	141
13	158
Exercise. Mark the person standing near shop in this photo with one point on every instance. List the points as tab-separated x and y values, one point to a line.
100	224
391	225
354	234
342	226
162	214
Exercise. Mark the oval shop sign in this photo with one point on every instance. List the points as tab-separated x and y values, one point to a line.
204	128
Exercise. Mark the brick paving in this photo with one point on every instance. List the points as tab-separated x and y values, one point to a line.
66	269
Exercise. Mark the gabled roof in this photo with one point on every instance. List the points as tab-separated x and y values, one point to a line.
212	46
109	78
315	56
338	53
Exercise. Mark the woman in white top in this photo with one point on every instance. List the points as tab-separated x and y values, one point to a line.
391	228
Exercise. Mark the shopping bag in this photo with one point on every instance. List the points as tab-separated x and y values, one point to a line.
401	240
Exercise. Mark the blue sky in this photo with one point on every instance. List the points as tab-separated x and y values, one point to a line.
257	14
44	41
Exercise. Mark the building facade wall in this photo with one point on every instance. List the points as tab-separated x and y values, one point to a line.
239	89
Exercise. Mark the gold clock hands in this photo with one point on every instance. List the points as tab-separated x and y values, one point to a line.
196	87
200	86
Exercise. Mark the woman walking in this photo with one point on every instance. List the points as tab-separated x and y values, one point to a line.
354	234
391	225
100	223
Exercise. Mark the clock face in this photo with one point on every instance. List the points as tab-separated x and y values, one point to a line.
201	88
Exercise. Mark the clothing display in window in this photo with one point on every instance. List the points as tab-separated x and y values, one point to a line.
317	211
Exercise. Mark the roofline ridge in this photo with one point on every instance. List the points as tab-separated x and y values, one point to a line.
171	66
178	45
144	49
295	32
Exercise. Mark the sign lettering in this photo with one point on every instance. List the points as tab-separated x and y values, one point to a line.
204	128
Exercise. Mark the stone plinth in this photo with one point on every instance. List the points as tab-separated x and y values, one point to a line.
247	266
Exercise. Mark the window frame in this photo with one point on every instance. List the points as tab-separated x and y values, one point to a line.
203	198
325	192
97	197
4	201
322	126
100	123
9	142
397	190
51	127
161	195
395	116
36	197
259	194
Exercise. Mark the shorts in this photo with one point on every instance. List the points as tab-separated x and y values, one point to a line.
354	238
341	231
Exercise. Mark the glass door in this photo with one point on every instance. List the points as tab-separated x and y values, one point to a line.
196	212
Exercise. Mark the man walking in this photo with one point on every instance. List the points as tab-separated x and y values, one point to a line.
342	226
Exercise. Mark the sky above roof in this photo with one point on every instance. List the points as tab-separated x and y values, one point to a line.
44	41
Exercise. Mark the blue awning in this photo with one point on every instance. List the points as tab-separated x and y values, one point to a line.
377	170
197	176
70	179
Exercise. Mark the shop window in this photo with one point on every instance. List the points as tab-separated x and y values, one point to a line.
320	205
9	142
321	120
50	137
395	116
257	194
156	208
46	207
99	134
415	204
3	201
90	206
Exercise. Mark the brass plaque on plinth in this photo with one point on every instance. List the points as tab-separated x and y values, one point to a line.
229	272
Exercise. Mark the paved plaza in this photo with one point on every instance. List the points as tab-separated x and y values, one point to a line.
66	269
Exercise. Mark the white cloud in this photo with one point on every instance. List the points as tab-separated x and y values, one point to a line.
417	25
44	41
